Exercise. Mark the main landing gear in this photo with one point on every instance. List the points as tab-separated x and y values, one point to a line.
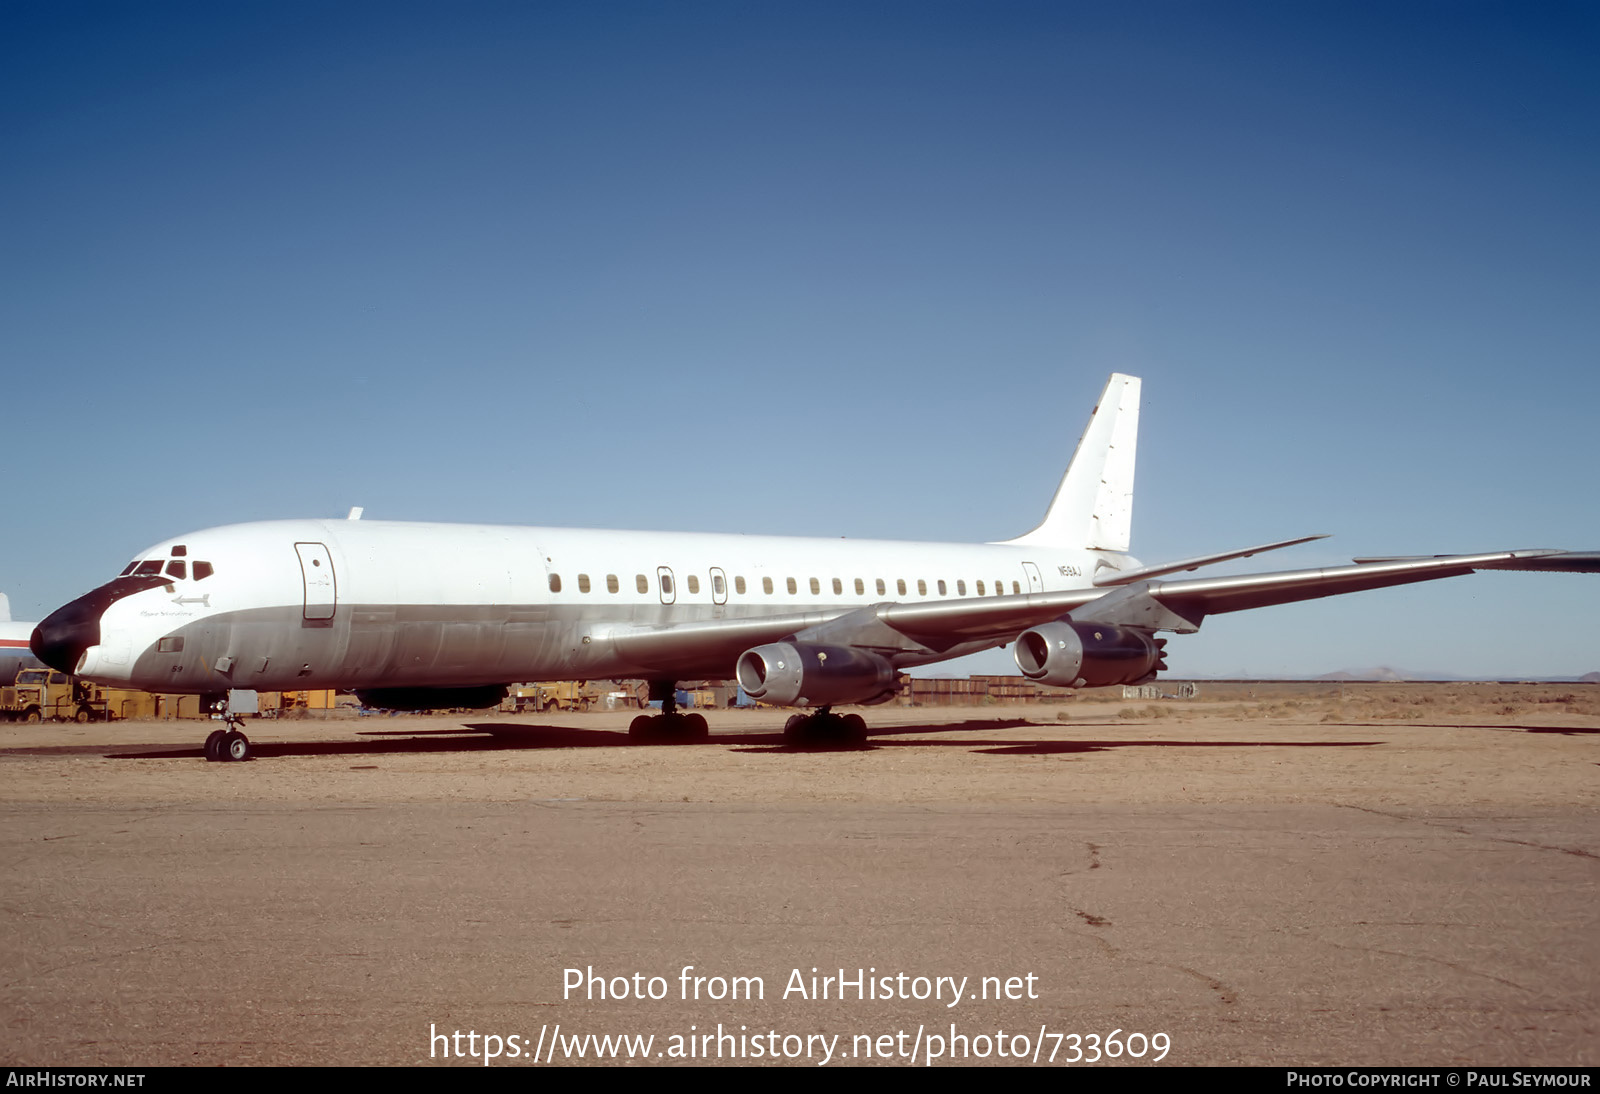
227	744
824	726
669	725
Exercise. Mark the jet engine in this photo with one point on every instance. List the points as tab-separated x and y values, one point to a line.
476	698
1065	654
802	674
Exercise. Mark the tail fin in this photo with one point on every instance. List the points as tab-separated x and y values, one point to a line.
1093	506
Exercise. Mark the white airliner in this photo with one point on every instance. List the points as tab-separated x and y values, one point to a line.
14	637
425	616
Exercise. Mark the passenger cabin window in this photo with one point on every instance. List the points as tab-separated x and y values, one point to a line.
766	585
980	588
961	588
642	583
941	587
881	589
203	570
555	583
793	588
738	585
1016	588
611	583
900	584
583	583
816	586
861	587
694	584
717	586
666	585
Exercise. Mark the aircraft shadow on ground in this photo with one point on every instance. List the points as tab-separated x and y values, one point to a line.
501	737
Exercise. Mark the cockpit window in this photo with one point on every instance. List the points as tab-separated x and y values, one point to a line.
149	566
203	570
130	568
177	569
179	551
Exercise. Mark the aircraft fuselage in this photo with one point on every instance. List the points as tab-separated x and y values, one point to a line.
353	604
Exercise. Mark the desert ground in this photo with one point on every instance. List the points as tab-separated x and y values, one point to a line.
1289	874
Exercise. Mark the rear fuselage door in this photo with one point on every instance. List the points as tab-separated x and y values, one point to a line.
316	569
1035	583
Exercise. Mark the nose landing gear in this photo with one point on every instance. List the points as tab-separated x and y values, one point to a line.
226	745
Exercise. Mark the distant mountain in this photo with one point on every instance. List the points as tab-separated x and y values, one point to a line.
1384	672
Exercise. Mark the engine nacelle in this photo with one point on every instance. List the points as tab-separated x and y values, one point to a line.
802	674
1065	654
432	698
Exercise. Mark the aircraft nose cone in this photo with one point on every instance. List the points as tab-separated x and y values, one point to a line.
65	634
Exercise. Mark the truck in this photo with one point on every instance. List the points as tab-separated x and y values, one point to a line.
549	698
39	695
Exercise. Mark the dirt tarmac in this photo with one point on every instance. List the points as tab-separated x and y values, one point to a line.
1386	875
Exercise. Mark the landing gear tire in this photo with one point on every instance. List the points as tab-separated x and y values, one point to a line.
235	746
794	729
670	728
825	728
214	746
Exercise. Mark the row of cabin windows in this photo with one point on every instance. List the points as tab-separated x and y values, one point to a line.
642	583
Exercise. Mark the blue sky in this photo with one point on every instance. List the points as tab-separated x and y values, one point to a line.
855	269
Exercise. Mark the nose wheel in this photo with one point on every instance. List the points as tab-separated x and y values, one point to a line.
227	745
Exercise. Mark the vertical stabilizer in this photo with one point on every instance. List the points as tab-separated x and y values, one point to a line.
1093	506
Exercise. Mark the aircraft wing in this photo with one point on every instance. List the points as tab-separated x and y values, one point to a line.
1180	605
1185	603
951	627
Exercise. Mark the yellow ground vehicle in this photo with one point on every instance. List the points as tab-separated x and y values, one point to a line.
549	698
40	695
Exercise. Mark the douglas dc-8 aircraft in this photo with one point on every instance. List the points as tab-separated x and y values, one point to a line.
425	616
